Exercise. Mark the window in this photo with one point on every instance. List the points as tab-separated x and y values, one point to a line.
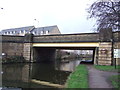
5	33
10	32
33	32
24	31
20	31
14	31
41	32
47	32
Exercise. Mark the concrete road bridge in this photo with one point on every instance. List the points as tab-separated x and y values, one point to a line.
43	47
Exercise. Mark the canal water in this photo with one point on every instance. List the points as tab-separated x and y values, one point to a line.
21	75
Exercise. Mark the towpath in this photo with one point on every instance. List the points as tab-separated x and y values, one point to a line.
99	79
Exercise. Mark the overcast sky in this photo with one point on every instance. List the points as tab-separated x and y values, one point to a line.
69	15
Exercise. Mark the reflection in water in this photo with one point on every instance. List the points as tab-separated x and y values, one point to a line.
15	72
69	66
47	72
20	75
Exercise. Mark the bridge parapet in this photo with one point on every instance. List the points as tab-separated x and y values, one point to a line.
86	37
9	38
91	37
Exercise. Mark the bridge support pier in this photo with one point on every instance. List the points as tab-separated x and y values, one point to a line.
105	53
28	50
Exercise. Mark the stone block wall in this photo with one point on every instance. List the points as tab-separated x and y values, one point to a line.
27	51
15	39
12	49
12	45
91	37
105	53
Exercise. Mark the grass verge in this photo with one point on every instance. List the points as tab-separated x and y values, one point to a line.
107	68
115	79
78	78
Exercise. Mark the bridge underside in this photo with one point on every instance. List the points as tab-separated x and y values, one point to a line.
43	54
46	52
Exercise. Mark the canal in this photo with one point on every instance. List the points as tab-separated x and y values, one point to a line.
37	75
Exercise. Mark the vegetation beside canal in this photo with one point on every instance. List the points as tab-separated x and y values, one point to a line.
107	68
78	78
115	81
14	59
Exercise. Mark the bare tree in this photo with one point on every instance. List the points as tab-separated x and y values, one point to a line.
107	14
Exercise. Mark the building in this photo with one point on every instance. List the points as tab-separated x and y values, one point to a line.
31	29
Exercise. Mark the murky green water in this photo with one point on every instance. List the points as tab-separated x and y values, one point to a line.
19	75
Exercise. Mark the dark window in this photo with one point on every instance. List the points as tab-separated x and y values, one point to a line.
12	32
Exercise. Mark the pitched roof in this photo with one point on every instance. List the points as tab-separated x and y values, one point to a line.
46	28
28	28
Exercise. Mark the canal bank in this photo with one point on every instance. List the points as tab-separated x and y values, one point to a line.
78	78
87	76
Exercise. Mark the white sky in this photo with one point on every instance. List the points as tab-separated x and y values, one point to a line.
69	15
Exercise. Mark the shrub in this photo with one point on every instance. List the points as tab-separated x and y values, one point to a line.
13	59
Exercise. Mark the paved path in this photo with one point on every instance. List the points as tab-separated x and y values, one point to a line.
99	79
